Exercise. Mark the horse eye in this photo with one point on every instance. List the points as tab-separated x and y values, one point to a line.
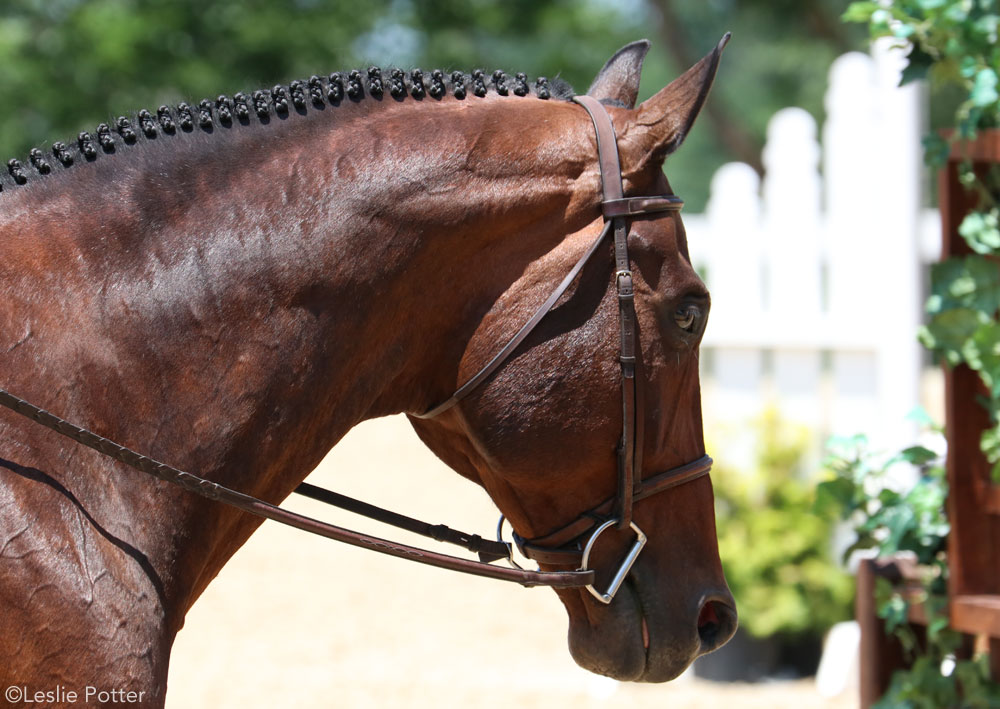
686	316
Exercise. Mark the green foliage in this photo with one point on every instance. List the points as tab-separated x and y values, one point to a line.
884	518
955	42
952	41
913	522
980	230
775	550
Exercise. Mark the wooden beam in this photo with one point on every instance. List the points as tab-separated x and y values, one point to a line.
976	614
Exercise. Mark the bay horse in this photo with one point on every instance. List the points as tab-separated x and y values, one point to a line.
231	286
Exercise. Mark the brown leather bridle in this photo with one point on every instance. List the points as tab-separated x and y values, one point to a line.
571	544
567	545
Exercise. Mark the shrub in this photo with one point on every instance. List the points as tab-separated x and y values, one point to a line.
775	550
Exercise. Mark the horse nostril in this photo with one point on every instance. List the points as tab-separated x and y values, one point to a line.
716	624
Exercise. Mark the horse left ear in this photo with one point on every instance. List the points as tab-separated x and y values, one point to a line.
661	122
618	81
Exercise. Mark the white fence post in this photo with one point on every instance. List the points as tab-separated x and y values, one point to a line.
792	220
853	169
902	124
730	243
815	281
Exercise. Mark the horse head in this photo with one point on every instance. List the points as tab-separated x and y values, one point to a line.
540	433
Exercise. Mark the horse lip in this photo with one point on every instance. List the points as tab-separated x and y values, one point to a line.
644	630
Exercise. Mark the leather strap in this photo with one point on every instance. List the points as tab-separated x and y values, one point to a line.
487	549
247	503
635	206
611	184
523	333
611	206
557	548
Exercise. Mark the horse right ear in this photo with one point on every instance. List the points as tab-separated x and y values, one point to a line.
661	123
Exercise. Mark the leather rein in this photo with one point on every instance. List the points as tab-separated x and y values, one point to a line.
568	546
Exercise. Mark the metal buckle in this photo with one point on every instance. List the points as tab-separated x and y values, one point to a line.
626	566
622	274
510	547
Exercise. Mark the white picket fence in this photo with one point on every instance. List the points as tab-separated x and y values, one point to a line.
816	271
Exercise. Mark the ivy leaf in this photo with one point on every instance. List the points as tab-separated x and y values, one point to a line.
918	455
987	25
948	331
938	623
969	117
899	520
859	11
879	23
989	442
936	148
984	88
972	282
981	352
979	229
957	12
919	61
833	496
894	610
968	66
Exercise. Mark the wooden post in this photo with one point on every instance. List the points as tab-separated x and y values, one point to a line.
882	654
974	542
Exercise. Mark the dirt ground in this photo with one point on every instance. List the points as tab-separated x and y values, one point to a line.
296	620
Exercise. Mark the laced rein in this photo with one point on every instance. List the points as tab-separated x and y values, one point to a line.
247	503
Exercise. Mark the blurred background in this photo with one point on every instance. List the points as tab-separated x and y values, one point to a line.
809	214
70	64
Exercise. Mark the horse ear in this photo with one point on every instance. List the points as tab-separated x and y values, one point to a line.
661	123
618	81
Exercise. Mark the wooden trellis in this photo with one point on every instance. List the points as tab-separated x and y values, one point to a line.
973	501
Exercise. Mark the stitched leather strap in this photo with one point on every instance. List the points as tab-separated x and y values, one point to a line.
525	330
611	184
247	503
613	205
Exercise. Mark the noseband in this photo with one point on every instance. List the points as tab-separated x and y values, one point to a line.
570	545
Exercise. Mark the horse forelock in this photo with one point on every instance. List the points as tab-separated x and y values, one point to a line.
264	107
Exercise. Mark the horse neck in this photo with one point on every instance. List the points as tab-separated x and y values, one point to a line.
239	313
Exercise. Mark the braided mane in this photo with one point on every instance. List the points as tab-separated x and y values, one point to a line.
259	106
